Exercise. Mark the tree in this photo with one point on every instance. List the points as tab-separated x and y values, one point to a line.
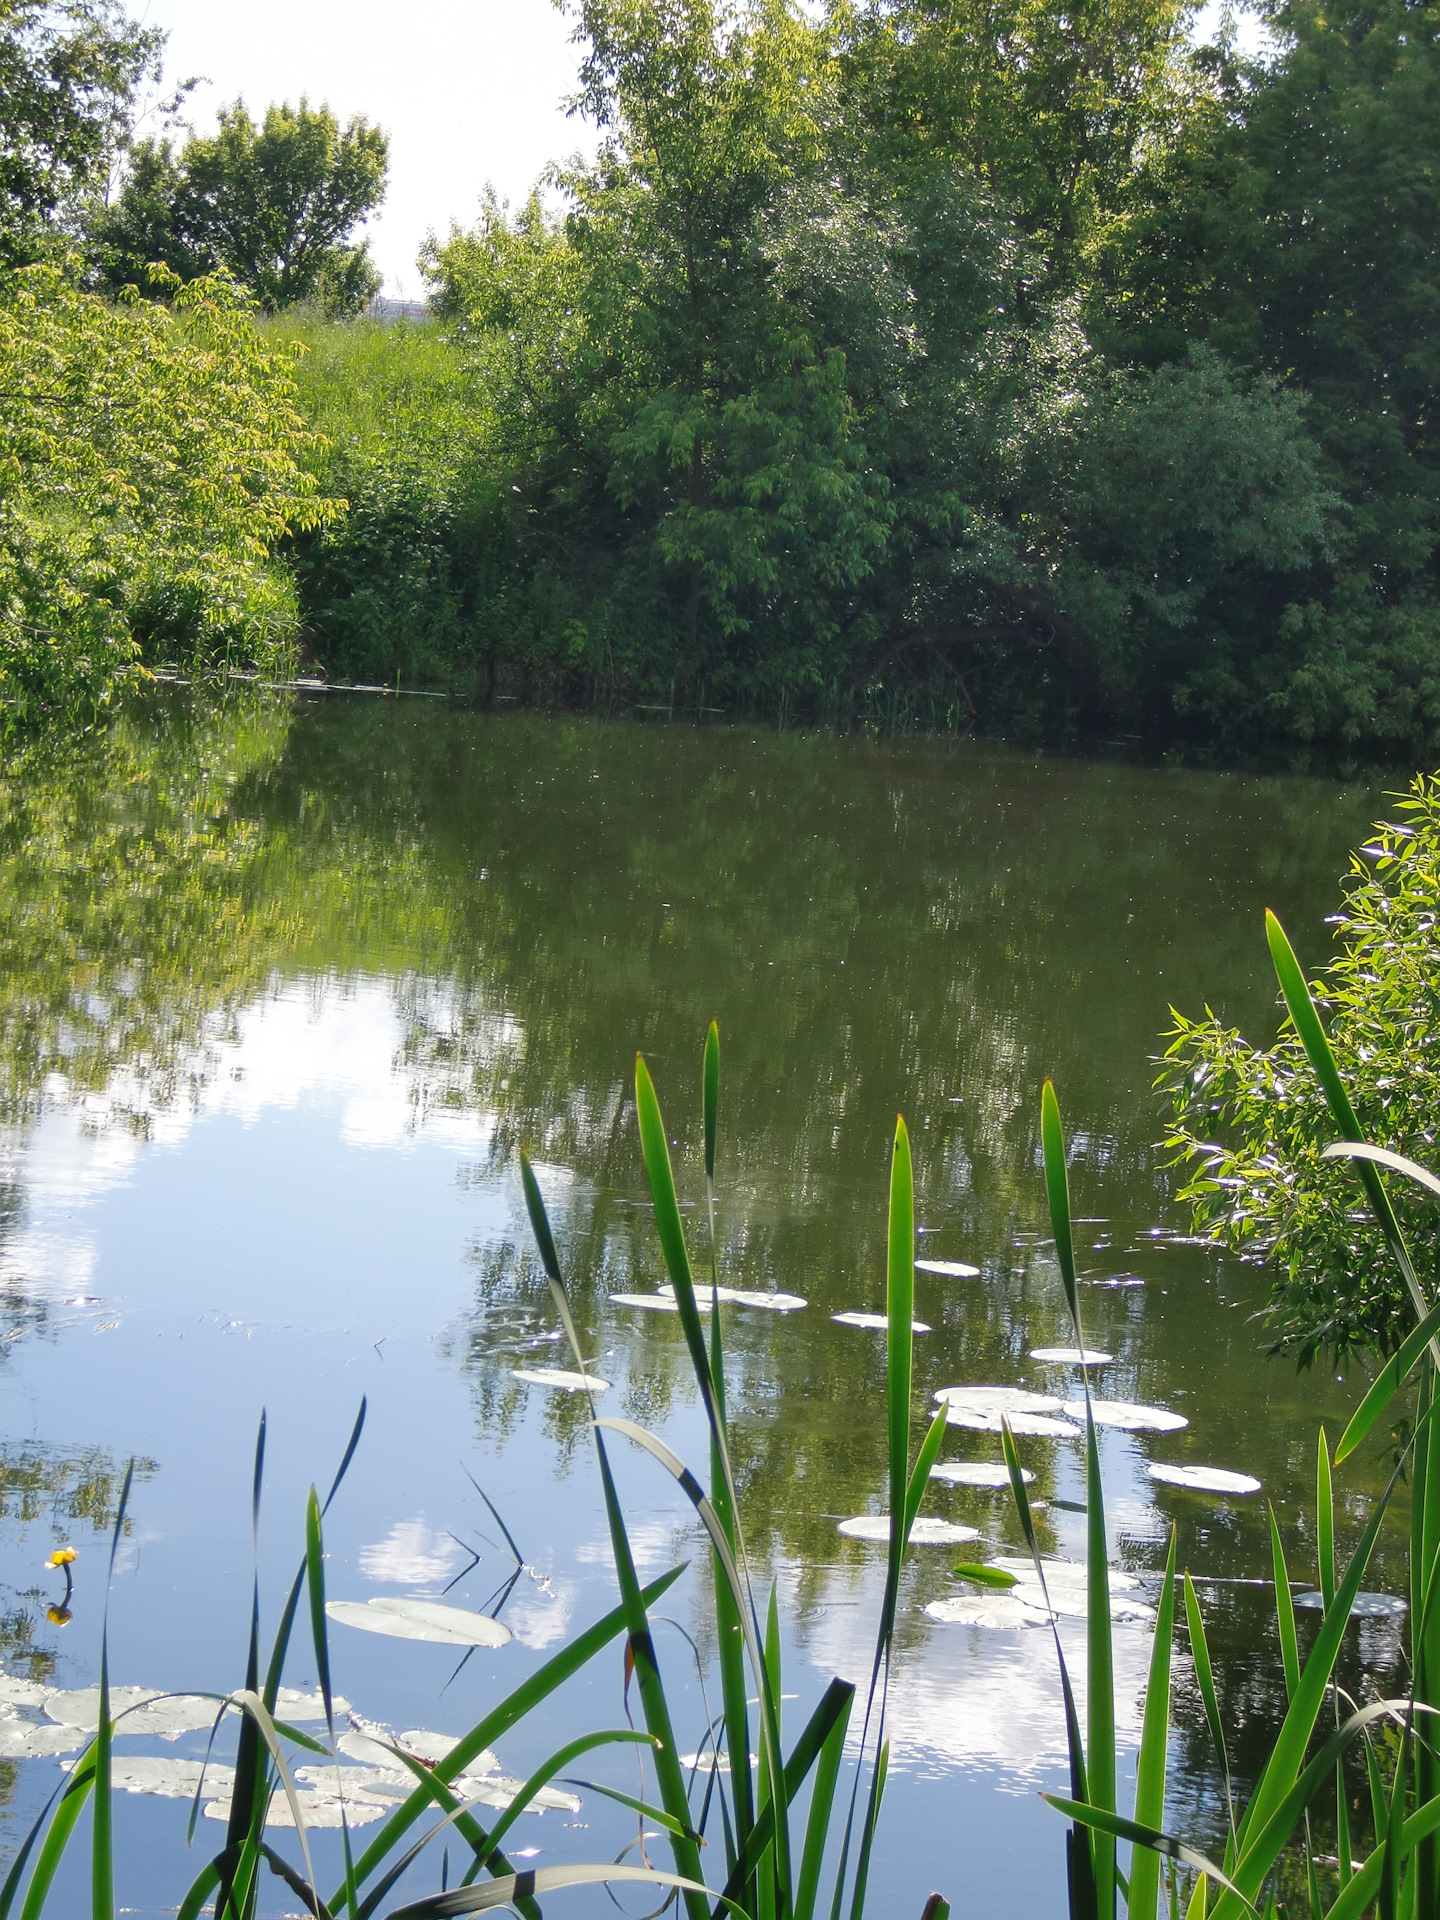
70	71
275	207
1048	108
1251	1123
154	464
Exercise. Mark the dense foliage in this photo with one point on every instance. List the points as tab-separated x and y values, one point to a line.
70	71
1252	1122
275	207
153	461
1047	368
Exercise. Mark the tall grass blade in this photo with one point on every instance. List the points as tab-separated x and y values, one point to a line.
1099	1648
520	1886
525	1698
822	1801
1205	1680
1079	1858
1119	1828
710	1098
319	1626
1150	1766
1306	1020
1324	1521
102	1854
1387	1384
73	1796
1284	1608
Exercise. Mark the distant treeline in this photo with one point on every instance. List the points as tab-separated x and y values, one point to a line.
1021	367
1014	367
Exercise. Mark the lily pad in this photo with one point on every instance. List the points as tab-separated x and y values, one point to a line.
1070	1357
421	1620
558	1377
1061	1573
1124	1413
498	1790
318	1808
996	1610
1021	1424
1365	1606
745	1297
877	1321
951	1269
291	1704
977	1473
1071	1601
926	1532
652	1302
173	1779
24	1740
15	1692
1204	1479
999	1399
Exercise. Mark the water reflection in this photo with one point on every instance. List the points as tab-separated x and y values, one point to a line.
285	987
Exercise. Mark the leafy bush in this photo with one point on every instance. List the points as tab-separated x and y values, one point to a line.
1253	1122
154	463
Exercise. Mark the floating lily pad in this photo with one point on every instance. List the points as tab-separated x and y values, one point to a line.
999	1399
1061	1573
1021	1424
926	1532
652	1302
1124	1413
977	1473
951	1269
1365	1606
744	1297
498	1790
997	1610
1071	1601
1204	1479
15	1692
173	1779
558	1377
291	1704
24	1740
318	1808
878	1321
421	1620
1071	1357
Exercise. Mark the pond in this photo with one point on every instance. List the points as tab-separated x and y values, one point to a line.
287	984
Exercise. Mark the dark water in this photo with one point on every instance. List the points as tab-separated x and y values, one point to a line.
285	988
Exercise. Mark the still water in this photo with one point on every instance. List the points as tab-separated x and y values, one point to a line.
286	986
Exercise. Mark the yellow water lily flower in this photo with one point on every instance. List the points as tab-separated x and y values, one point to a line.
58	1616
61	1557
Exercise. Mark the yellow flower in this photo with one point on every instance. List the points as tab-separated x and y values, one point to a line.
61	1557
58	1616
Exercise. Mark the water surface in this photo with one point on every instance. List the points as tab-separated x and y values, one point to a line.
286	986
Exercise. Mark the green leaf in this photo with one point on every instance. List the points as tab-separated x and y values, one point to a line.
984	1576
1387	1384
519	1886
1150	1766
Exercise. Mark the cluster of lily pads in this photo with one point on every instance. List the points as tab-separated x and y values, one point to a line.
366	1778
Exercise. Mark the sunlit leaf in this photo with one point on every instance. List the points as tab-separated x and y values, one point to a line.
924	1532
975	1473
1124	1413
998	1610
420	1620
951	1269
560	1377
1204	1479
877	1321
1070	1357
1365	1606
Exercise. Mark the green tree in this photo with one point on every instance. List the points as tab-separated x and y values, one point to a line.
153	464
274	206
1049	108
70	71
1251	1123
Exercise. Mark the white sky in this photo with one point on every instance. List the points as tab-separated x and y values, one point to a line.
470	91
